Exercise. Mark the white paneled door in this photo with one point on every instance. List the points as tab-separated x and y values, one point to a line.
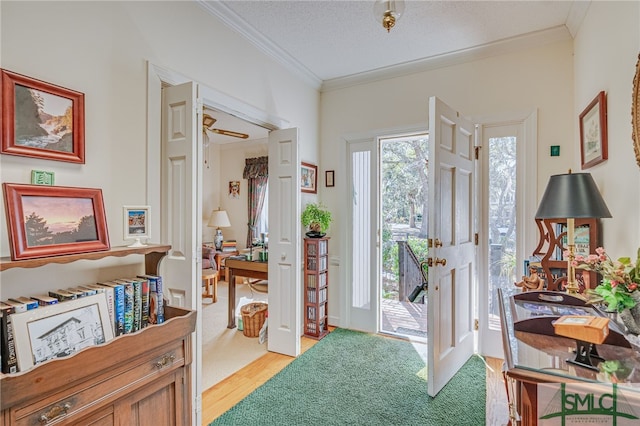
284	243
181	207
452	256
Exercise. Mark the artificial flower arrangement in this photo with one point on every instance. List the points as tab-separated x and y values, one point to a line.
619	287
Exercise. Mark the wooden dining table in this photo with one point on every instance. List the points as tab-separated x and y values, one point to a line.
242	268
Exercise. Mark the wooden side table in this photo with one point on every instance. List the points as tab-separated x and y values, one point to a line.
210	280
220	256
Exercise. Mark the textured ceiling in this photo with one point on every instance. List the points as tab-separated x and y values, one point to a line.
330	43
336	38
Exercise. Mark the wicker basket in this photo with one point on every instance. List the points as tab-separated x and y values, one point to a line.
253	317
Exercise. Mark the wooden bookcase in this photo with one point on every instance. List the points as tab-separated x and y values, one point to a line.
130	380
552	233
316	284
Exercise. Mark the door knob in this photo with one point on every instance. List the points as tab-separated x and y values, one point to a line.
438	261
438	243
441	262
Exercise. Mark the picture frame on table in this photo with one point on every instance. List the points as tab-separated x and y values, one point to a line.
594	148
309	178
46	221
59	330
329	178
41	120
136	224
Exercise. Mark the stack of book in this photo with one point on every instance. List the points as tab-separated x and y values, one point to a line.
229	246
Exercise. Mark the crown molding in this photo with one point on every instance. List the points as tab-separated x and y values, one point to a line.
576	16
232	20
508	45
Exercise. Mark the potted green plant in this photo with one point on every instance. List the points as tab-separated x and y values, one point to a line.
317	219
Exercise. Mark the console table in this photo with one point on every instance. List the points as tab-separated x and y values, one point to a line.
535	356
243	268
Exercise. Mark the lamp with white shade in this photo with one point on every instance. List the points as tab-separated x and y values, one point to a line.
218	219
572	196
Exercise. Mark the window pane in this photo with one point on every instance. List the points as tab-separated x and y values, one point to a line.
502	219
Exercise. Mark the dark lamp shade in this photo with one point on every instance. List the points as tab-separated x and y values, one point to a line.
572	196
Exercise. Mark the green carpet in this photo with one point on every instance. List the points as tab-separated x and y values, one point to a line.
352	378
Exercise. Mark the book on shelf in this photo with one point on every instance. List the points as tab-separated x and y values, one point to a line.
44	300
87	291
17	306
145	301
136	285
108	293
129	296
156	302
31	304
118	305
63	295
9	359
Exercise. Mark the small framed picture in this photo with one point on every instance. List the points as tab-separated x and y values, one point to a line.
234	189
136	224
308	178
328	178
59	330
593	132
41	120
48	221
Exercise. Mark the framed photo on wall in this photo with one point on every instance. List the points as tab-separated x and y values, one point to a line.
329	178
46	221
309	178
234	189
593	132
41	120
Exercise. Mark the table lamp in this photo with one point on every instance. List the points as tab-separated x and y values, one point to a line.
218	219
572	196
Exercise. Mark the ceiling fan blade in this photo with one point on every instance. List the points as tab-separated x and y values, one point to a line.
230	133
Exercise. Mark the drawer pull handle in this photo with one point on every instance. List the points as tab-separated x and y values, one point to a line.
54	412
166	360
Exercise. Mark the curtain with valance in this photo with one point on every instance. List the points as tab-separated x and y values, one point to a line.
256	171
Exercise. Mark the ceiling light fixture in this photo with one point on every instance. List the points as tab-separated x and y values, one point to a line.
388	11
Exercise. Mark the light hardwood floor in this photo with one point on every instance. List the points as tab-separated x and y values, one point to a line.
230	391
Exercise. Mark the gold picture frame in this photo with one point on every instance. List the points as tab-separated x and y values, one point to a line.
635	112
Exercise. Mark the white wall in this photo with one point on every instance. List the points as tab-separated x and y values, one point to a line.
102	49
606	52
228	165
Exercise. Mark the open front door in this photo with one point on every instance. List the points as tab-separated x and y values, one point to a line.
451	228
284	243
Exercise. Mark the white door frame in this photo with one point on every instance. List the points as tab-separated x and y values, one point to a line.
489	339
156	77
349	317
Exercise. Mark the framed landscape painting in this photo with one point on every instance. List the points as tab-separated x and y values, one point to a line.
48	221
41	120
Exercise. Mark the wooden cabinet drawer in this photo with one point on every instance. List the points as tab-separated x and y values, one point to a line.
79	400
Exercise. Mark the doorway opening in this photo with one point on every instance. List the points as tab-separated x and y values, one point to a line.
404	197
